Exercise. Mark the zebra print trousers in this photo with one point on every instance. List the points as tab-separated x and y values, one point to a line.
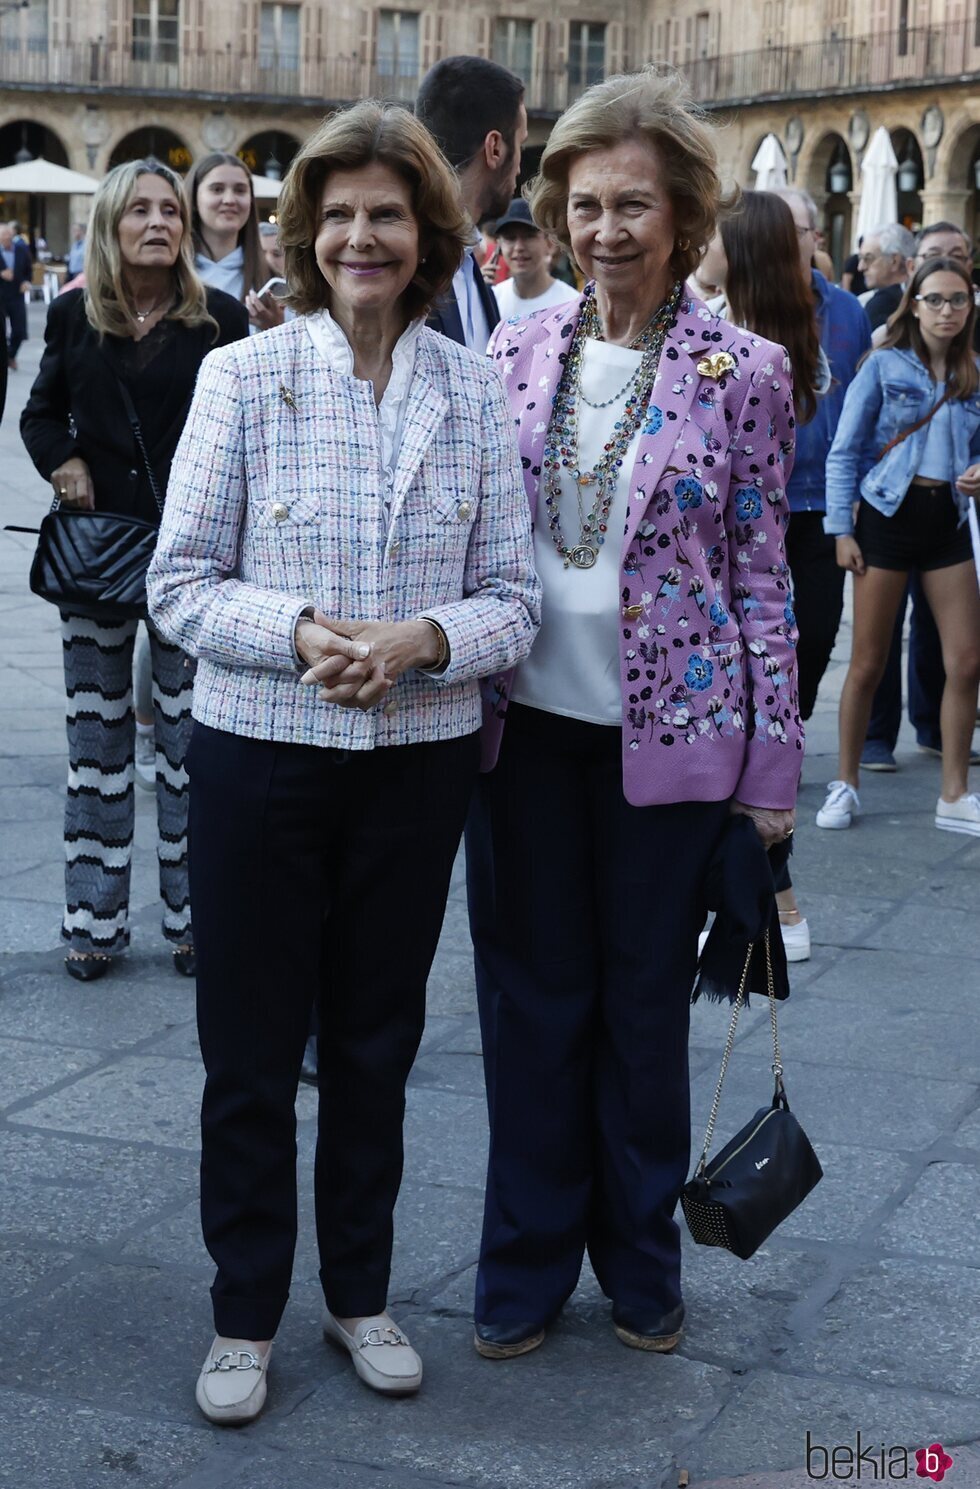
100	809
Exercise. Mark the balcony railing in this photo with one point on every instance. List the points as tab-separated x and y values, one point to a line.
920	56
914	57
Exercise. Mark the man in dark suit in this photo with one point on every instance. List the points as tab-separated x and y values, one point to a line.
15	277
475	109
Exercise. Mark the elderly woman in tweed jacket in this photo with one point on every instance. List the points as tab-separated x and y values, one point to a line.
346	550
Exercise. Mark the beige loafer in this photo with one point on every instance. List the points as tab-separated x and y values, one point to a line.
382	1356
231	1388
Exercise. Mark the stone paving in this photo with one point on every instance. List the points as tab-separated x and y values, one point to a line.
859	1316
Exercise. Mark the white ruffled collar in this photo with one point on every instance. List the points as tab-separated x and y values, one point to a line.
333	346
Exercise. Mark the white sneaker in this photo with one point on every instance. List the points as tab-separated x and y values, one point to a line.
146	761
382	1356
796	941
841	807
231	1387
959	816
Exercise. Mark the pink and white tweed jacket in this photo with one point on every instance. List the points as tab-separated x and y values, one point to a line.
707	634
275	501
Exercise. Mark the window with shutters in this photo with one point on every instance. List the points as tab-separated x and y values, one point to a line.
903	28
513	45
24	29
976	26
702	33
397	55
586	53
156	30
279	37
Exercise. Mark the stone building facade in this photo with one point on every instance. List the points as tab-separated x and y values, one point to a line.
91	82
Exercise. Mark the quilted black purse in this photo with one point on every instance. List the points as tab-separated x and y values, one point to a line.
763	1173
94	563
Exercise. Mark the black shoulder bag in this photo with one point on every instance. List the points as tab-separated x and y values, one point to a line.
767	1169
95	563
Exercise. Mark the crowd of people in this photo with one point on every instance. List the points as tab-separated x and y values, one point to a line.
558	564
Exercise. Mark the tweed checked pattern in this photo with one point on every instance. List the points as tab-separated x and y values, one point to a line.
277	500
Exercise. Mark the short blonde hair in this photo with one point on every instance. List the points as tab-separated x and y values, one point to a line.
653	105
356	137
106	305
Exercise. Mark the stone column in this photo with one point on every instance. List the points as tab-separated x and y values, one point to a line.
945	204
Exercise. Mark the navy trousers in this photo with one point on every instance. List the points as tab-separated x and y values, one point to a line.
319	876
585	913
927	677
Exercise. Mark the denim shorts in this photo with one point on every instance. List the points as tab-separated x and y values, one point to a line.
925	533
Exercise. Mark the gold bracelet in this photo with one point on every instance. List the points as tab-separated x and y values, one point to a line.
443	653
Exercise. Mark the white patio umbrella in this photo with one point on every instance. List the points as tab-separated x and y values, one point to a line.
266	188
879	198
42	177
769	165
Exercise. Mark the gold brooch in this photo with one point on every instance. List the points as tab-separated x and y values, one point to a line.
287	397
717	365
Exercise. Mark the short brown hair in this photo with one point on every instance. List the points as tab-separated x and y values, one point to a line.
653	105
356	137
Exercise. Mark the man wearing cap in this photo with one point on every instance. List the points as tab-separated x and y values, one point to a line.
528	253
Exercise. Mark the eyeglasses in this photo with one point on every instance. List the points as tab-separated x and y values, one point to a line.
958	301
801	232
869	258
959	254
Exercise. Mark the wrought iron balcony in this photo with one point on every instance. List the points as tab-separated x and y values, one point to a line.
916	56
909	57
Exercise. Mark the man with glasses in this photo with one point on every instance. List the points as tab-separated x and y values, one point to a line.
884	262
926	674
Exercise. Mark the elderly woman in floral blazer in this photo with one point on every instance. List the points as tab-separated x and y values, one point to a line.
659	697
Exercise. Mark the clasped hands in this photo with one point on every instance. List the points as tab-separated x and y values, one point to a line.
356	663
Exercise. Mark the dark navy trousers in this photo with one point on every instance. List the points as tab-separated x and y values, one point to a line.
320	877
585	913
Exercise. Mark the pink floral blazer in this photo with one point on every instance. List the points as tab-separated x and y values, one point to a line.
707	631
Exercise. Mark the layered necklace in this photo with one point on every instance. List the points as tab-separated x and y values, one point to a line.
561	446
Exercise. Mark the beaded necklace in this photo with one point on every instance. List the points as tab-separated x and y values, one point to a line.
561	441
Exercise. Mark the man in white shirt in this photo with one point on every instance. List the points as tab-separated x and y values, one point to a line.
528	253
475	109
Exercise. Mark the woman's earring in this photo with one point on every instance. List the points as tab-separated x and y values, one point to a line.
683	244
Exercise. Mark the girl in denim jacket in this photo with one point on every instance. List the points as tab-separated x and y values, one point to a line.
905	463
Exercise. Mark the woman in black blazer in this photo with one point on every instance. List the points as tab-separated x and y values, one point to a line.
144	323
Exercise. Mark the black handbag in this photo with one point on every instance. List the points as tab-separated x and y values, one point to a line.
94	563
763	1173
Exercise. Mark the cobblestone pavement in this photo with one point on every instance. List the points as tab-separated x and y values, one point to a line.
860	1315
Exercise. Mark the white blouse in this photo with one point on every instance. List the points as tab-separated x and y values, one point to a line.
573	668
333	346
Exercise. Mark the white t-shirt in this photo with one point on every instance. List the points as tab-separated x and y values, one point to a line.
573	668
510	303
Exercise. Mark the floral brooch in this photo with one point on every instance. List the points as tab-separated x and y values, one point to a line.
716	365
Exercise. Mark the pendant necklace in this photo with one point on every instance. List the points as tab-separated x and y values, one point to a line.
144	315
561	451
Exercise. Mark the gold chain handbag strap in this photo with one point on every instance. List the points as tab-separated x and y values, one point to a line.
777	1059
